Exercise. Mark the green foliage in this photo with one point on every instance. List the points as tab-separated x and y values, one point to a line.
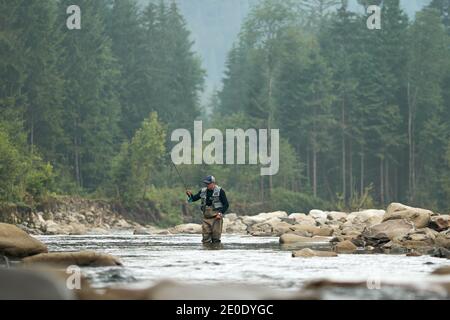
295	202
132	168
169	202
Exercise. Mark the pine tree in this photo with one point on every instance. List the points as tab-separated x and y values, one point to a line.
91	104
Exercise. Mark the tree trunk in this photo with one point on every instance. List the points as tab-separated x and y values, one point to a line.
381	182
350	170
308	166
412	164
261	185
362	173
344	186
32	131
77	155
386	181
314	171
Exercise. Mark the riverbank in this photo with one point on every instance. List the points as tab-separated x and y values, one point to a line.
245	267
399	229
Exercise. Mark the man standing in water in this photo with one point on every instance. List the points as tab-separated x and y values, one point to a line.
214	205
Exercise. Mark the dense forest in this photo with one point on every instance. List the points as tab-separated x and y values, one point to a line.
363	114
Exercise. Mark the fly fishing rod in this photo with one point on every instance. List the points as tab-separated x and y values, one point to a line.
179	174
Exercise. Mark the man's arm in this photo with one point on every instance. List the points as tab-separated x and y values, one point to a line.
224	200
194	198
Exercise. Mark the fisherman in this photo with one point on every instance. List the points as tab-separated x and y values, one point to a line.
214	205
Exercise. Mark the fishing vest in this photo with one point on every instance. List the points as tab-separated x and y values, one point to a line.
216	203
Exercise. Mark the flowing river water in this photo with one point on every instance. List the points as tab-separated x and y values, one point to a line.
240	260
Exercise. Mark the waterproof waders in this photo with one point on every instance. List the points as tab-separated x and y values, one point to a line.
211	227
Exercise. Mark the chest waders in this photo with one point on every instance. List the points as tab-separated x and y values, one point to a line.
212	227
211	211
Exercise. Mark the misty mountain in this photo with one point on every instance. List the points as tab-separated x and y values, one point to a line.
215	25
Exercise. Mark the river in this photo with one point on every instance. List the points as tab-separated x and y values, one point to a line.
241	260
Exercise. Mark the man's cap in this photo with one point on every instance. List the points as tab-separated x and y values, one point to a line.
209	179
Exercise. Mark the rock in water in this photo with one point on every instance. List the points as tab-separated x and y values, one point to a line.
308	253
442	271
17	284
15	242
390	229
81	259
289	238
420	217
190	228
441	253
440	223
315	231
345	247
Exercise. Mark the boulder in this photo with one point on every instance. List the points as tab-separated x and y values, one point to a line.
18	284
318	214
301	218
142	231
271	227
440	223
231	217
289	238
251	220
15	242
441	253
97	231
345	247
122	224
234	226
77	229
190	228
308	253
442	271
276	214
314	231
390	228
366	218
442	240
53	228
420	217
81	259
337	216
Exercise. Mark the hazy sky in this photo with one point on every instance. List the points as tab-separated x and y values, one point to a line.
215	25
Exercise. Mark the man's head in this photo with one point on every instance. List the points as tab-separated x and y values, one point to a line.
210	182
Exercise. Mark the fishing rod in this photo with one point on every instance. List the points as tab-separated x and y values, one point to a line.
179	174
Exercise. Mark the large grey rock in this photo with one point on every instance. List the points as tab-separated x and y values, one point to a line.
318	214
81	259
19	284
390	228
440	223
301	218
345	247
420	217
289	238
337	216
15	242
234	226
309	253
366	218
315	231
190	228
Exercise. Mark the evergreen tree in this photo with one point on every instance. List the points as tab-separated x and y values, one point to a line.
91	103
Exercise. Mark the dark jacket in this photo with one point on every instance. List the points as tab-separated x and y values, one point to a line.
209	193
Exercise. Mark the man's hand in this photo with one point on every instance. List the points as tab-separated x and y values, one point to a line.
189	193
219	216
